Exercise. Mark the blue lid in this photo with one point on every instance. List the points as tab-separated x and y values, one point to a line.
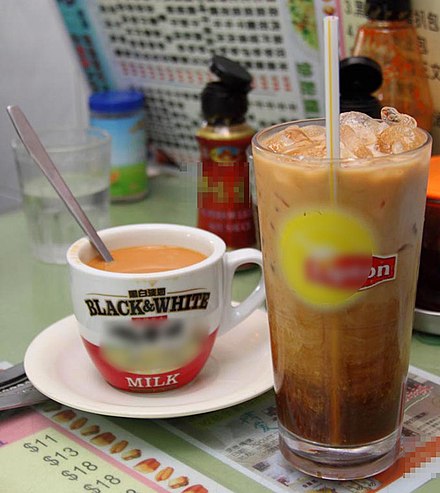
116	101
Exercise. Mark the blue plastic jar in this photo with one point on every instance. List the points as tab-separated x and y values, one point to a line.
121	114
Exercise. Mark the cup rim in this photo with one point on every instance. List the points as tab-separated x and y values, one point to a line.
74	251
348	163
103	138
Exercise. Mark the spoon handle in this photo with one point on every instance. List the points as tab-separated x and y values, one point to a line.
36	150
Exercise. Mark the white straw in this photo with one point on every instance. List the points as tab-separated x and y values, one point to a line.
331	56
331	51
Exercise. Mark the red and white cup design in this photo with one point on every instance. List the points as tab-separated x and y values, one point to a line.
154	332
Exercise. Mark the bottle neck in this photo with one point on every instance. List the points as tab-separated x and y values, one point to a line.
225	132
221	121
388	25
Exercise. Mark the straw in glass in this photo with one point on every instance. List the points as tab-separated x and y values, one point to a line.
331	59
332	338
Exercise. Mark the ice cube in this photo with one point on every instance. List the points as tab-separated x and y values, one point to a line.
345	152
316	150
381	126
314	132
365	127
353	143
291	139
407	120
400	138
391	116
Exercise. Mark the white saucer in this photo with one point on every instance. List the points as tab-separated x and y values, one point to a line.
238	369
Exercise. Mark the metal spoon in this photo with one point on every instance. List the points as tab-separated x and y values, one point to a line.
39	154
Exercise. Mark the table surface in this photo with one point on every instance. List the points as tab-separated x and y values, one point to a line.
34	295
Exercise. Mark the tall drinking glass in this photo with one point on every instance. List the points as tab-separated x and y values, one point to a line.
341	243
82	156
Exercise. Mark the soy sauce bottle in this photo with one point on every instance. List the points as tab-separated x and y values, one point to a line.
224	204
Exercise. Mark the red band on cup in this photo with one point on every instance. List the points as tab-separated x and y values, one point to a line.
148	383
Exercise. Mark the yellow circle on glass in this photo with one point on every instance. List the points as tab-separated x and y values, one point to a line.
325	256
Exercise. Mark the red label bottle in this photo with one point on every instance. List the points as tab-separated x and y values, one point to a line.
224	203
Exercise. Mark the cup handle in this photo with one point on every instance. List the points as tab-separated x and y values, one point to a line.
233	315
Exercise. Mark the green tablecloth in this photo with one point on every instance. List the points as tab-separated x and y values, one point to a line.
33	295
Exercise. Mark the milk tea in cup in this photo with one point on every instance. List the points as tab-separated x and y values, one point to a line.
150	318
341	242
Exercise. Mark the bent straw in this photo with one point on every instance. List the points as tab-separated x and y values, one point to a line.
331	59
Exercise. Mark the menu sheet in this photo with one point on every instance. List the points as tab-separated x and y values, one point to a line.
246	437
54	448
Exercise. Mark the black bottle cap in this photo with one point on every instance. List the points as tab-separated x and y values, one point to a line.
388	10
359	77
225	101
231	73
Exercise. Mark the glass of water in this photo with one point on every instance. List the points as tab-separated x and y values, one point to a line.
82	156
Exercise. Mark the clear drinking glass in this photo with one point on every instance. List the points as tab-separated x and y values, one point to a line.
341	243
82	156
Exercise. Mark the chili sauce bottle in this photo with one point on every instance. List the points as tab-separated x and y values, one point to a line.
390	40
224	204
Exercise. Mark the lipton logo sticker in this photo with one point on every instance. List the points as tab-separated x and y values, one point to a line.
327	257
382	269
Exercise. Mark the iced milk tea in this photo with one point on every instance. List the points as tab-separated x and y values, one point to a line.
341	244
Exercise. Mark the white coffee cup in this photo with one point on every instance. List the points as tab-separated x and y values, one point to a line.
154	332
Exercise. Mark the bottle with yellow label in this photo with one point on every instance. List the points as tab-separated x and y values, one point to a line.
224	205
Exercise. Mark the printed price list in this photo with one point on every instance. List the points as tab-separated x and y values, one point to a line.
50	461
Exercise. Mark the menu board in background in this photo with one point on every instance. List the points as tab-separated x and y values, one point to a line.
164	49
